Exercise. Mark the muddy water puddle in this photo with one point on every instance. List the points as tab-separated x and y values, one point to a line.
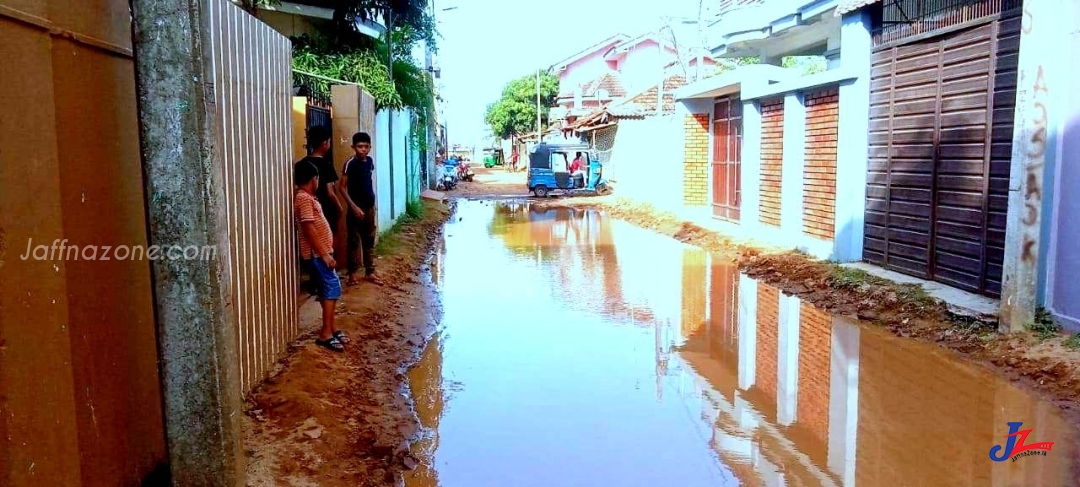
578	350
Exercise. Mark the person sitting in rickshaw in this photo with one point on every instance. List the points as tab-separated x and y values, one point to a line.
578	167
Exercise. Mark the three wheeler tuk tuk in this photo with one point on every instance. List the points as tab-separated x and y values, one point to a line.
549	172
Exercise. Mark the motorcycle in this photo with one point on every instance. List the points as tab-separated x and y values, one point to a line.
464	172
449	178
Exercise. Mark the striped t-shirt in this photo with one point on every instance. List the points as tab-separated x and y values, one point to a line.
308	209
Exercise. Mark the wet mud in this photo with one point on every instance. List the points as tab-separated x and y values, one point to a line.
336	420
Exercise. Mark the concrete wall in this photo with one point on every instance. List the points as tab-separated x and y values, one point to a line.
1058	289
645	161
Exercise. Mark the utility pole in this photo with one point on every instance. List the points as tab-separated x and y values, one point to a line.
539	130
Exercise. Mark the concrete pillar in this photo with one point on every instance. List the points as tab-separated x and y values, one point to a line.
299	127
843	400
852	141
185	206
747	331
346	122
787	384
380	152
791	182
1036	80
750	205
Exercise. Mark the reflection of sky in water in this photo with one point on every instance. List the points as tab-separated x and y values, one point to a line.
648	364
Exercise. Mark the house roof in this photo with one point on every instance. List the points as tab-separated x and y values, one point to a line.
638	105
846	6
610	81
626	45
602	45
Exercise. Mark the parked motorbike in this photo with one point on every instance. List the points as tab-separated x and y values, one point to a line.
464	172
449	178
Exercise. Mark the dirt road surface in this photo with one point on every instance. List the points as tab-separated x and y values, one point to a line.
336	420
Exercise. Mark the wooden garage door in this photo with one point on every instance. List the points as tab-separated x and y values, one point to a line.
940	145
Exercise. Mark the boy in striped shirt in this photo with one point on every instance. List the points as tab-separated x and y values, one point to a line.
317	252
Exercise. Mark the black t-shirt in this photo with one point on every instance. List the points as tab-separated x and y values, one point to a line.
327	175
361	188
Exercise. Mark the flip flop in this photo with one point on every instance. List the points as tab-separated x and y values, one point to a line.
342	337
333	344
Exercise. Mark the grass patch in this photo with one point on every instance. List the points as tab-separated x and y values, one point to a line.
415	209
842	277
391	239
1044	326
1073	342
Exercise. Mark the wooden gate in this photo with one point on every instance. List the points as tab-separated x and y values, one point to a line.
941	122
727	158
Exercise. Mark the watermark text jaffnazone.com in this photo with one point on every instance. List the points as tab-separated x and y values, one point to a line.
61	250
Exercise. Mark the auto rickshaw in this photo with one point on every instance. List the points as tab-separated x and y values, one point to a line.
549	171
493	156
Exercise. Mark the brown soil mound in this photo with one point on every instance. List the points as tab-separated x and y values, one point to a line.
330	419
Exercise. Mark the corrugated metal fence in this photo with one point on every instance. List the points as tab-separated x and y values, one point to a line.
252	89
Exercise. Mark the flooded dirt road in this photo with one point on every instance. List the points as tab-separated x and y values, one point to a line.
577	350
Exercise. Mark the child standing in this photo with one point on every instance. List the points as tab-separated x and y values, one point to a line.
317	252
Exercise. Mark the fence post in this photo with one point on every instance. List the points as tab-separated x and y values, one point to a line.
185	206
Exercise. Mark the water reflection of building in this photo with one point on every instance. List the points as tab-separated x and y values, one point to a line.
798	397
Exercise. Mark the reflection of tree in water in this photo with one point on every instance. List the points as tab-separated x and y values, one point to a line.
426	382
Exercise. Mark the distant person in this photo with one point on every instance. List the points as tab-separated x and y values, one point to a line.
358	179
317	252
327	193
514	159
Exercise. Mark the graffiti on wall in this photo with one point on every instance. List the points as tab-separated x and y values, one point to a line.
1031	95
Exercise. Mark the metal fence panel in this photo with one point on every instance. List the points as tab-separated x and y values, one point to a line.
80	398
252	84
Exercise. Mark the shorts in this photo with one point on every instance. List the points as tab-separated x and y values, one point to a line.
324	281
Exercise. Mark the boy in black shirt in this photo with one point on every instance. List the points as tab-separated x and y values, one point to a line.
358	179
327	192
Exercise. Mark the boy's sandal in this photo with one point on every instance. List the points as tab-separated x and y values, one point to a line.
342	337
352	281
333	344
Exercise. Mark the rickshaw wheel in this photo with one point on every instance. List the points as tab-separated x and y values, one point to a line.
540	191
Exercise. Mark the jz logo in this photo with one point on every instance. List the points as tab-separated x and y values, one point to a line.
1016	445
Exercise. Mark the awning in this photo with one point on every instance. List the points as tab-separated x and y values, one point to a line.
732	81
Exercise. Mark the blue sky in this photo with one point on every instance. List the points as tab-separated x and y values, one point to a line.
486	43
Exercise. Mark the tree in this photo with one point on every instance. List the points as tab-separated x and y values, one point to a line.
515	111
410	16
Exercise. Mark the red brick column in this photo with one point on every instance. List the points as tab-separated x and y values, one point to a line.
696	165
819	172
772	160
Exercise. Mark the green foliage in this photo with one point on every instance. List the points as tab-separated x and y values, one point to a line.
315	55
1044	326
515	111
1073	342
415	209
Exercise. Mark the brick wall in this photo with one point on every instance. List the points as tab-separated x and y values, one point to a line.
768	314
696	165
819	171
815	353
772	155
